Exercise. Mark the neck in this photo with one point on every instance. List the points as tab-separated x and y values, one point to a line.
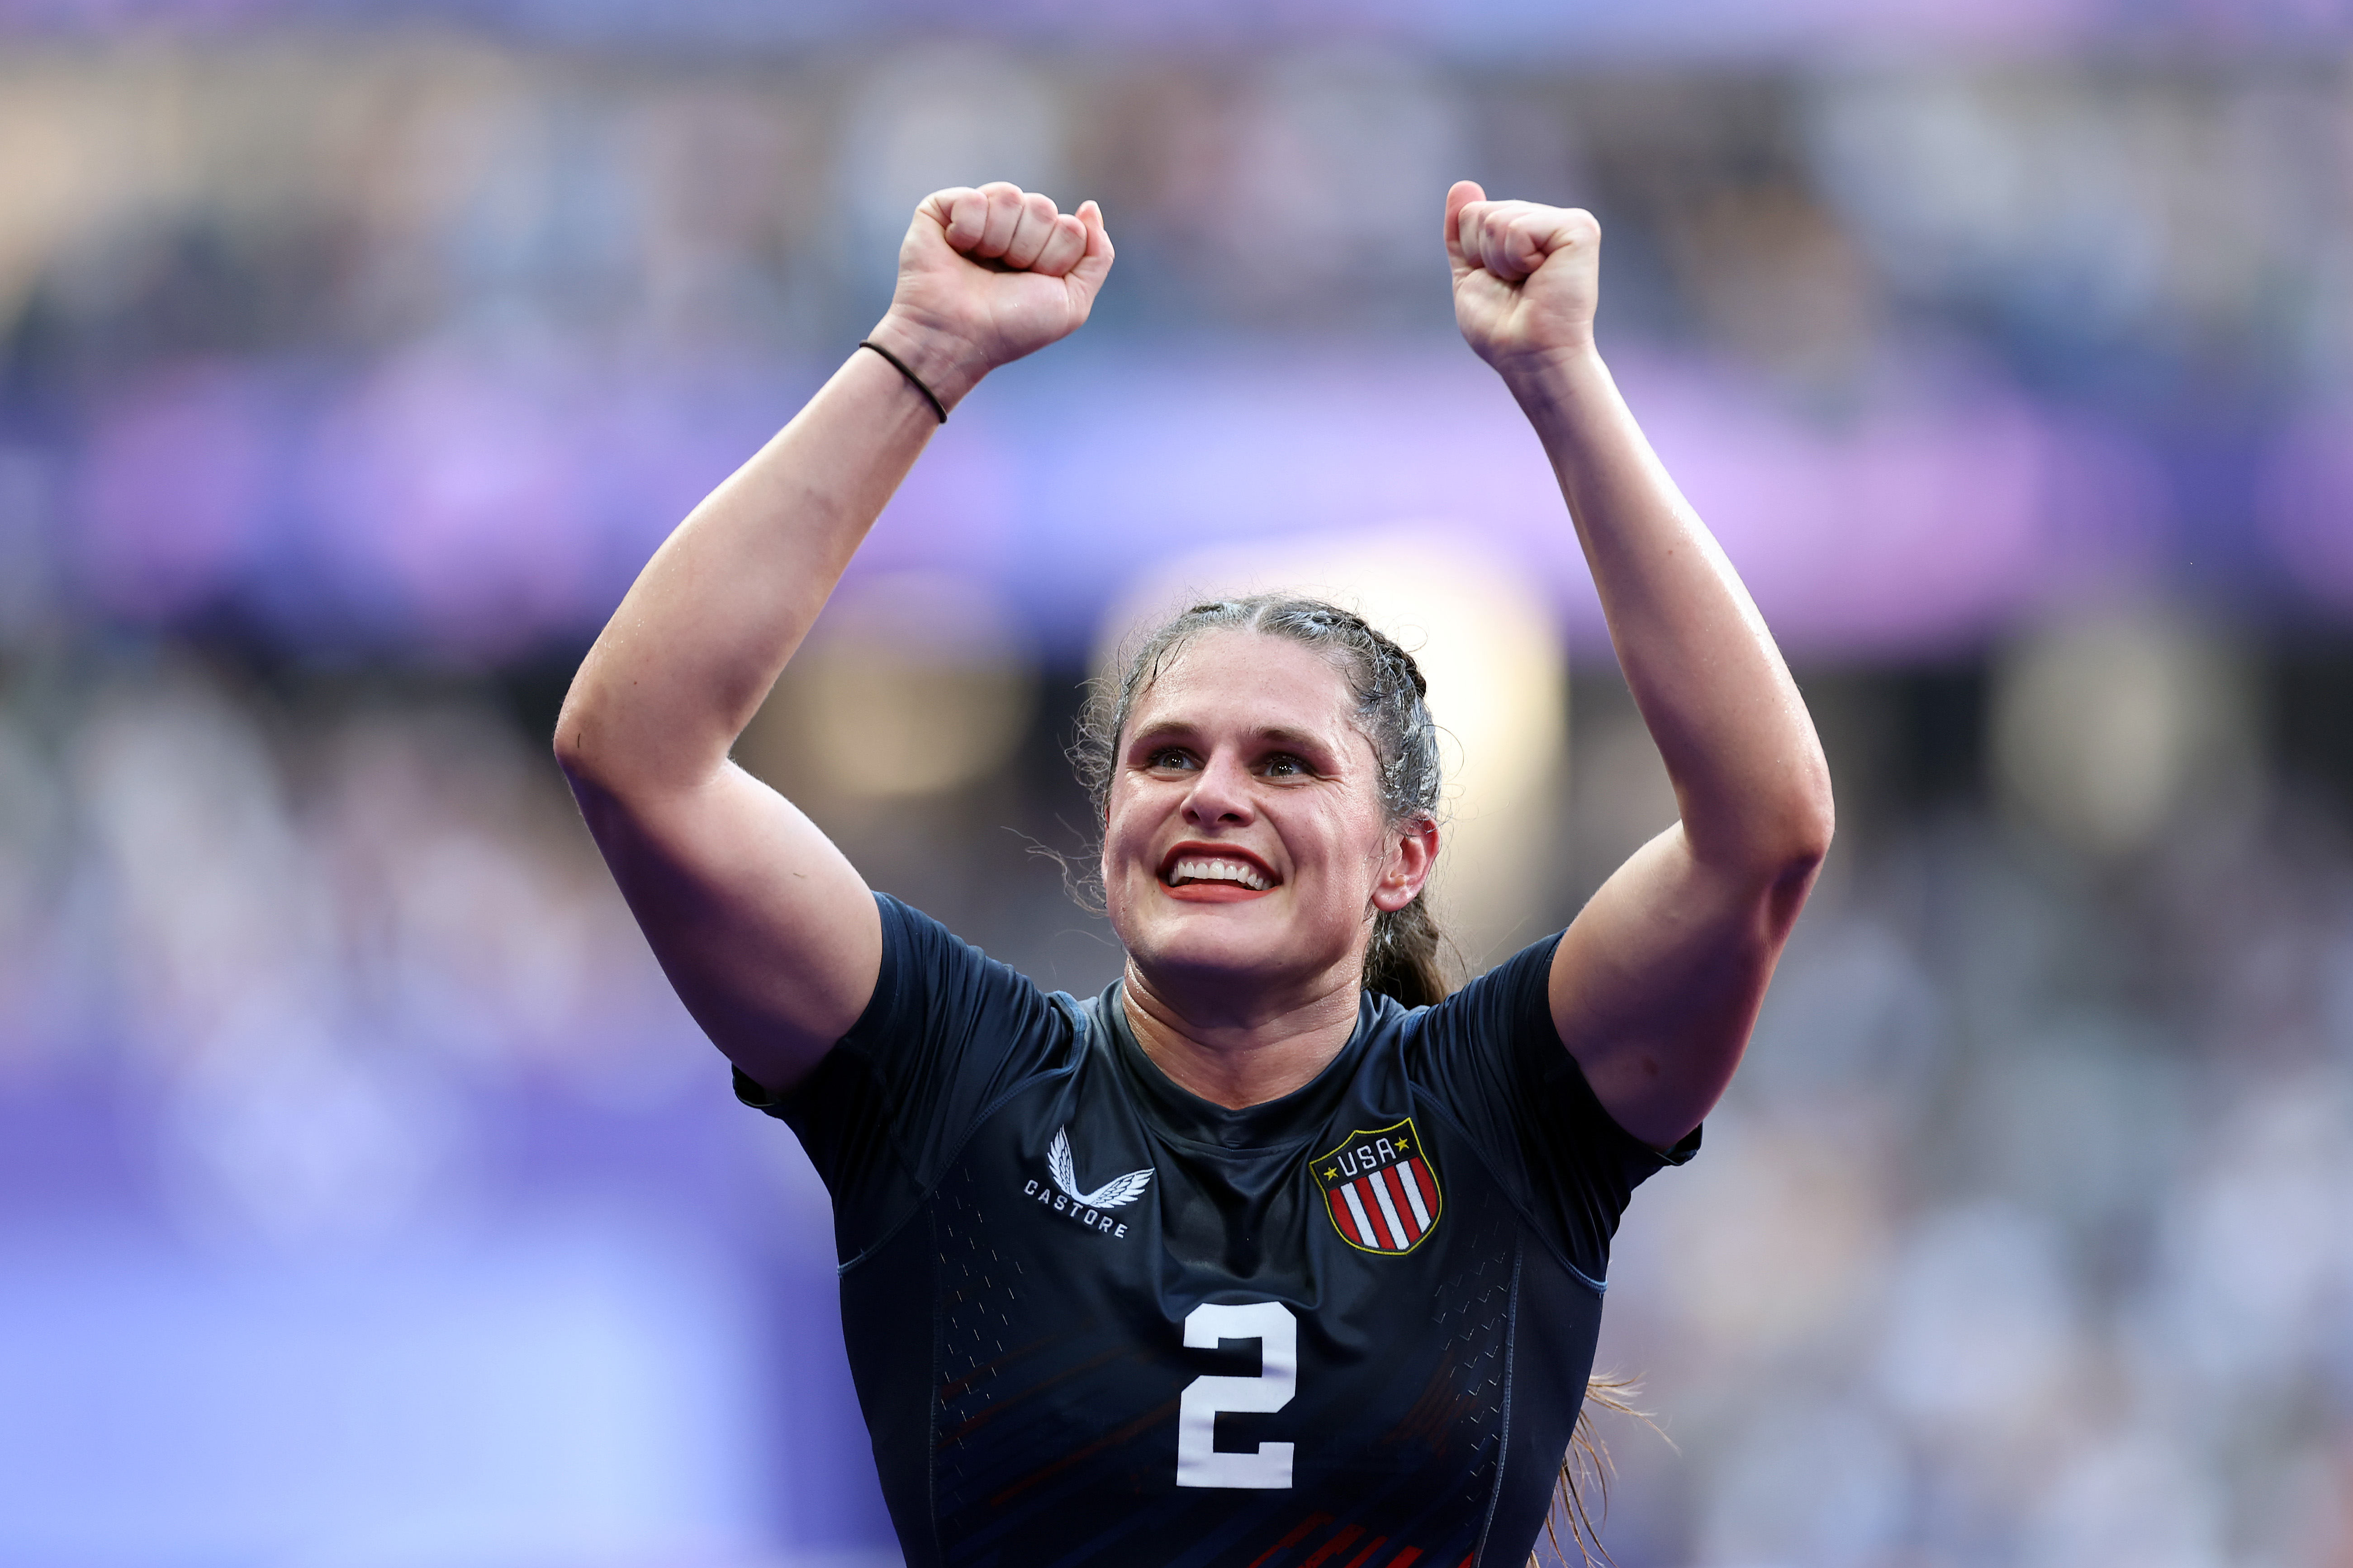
1246	1059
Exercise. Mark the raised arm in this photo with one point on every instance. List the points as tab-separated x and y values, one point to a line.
1657	983
767	932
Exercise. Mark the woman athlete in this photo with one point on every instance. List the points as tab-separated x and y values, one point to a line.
1244	1261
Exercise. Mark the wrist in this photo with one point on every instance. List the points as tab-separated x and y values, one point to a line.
945	363
1552	376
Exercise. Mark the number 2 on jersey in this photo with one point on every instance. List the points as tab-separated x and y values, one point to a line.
1199	1462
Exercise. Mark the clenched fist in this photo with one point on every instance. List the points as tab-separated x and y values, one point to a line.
987	276
1526	278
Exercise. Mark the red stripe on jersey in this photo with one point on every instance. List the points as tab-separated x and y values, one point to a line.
1426	1184
1413	1195
1375	1190
1341	1217
1312	1521
1338	1544
1389	1178
1411	1191
1403	1558
1358	1560
1377	1236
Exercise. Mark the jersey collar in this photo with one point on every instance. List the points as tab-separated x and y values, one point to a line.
1271	1125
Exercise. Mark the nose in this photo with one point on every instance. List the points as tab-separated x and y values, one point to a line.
1220	793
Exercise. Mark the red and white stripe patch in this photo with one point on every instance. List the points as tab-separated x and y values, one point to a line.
1381	1189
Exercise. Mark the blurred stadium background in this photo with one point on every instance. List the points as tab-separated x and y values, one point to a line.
365	1198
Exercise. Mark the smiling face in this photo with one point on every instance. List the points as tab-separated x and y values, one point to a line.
1245	843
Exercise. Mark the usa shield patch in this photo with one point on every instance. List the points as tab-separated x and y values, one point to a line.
1381	1189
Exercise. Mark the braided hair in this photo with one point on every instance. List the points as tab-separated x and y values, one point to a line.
1389	691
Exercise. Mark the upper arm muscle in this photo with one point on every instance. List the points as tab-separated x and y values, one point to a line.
766	930
1657	982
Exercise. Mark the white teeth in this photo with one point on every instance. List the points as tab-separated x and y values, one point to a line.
1202	869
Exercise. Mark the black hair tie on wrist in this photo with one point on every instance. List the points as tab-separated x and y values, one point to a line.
901	366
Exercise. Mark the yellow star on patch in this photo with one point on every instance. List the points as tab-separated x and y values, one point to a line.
1329	1173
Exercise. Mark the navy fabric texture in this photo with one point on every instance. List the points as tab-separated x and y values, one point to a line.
1095	1319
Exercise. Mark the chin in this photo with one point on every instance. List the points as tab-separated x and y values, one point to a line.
1199	954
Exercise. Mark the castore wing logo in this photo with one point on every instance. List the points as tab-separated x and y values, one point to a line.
1381	1189
1064	1194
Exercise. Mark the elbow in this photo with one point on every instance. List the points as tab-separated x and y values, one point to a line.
1809	822
1785	835
1772	837
1807	819
597	789
570	754
574	752
614	758
1812	824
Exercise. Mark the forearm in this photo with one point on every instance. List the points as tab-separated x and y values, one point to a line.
1738	745
703	635
986	276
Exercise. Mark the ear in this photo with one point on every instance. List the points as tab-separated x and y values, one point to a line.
1413	854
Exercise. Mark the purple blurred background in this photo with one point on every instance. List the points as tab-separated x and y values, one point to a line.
365	1198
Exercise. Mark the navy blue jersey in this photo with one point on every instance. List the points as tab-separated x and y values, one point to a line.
1096	1318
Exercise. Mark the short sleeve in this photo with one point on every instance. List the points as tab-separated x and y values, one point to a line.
947	1034
1492	1058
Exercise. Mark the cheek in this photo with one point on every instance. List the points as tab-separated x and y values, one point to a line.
1127	832
1351	842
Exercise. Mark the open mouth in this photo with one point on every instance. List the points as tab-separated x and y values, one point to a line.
1195	865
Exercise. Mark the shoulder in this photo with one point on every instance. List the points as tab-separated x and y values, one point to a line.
923	961
940	1002
1492	1054
1481	1051
1507	1004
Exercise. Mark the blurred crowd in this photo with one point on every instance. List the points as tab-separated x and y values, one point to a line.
307	926
2023	1237
346	379
321	334
323	192
366	1196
